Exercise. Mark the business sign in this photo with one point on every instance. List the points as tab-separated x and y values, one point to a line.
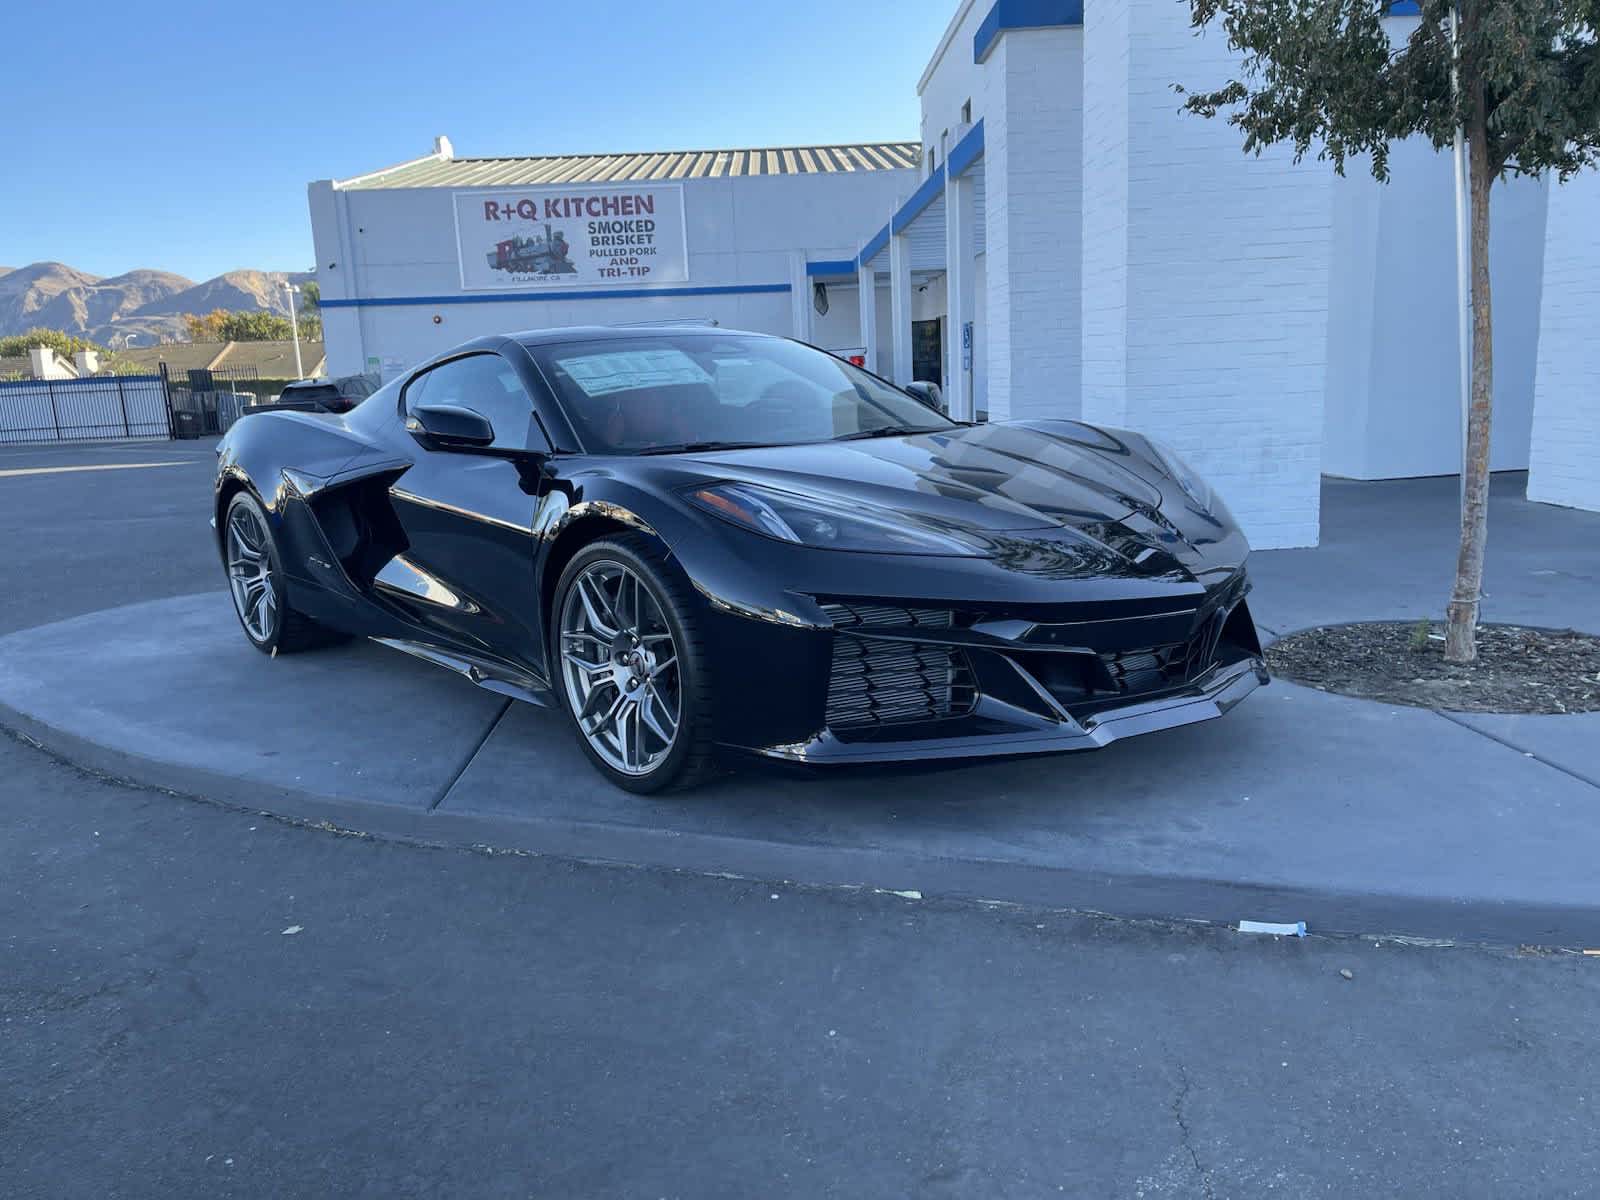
584	235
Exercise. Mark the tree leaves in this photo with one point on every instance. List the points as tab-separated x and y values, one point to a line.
1328	77
259	325
63	343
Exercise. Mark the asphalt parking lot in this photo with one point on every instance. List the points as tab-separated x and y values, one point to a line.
79	540
197	1000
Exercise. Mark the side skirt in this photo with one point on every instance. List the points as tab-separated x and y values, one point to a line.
491	676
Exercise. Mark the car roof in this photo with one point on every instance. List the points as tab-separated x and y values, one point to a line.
601	333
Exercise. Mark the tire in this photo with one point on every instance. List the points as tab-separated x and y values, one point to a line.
285	630
633	666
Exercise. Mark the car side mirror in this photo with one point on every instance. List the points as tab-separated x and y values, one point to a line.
928	393
449	427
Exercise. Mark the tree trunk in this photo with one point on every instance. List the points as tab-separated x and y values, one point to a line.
1460	644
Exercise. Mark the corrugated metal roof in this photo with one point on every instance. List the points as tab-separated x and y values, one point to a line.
630	168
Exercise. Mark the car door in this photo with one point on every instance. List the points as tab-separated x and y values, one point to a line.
468	575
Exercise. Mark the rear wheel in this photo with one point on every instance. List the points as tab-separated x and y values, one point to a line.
256	581
630	667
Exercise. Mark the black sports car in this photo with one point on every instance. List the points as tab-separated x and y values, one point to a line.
696	540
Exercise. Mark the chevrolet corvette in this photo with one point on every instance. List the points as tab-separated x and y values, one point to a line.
697	543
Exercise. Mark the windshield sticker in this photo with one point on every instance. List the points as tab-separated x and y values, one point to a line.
626	370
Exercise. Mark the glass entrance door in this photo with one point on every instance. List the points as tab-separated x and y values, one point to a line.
927	351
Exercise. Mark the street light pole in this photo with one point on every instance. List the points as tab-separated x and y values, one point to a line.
294	327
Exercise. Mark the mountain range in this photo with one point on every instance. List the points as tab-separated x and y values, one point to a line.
149	304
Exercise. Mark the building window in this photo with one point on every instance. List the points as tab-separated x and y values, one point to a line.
933	161
966	113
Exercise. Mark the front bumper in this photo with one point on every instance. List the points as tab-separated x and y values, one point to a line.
1208	697
885	680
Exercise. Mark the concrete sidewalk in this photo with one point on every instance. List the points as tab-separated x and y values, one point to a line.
1388	552
1348	814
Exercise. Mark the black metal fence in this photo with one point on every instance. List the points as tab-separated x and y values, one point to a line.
213	396
92	409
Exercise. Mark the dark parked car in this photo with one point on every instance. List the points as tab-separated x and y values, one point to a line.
694	541
321	395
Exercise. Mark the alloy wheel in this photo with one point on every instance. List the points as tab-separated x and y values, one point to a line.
250	573
620	668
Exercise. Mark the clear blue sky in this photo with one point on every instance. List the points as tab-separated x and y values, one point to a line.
184	139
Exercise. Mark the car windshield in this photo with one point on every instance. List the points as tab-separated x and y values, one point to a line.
700	391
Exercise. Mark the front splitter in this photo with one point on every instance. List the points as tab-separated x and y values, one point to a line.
1211	697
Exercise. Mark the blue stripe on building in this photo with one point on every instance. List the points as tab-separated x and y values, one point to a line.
1024	14
731	289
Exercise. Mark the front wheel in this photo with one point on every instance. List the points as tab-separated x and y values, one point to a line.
630	667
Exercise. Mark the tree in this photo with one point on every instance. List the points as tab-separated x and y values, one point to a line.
63	343
204	329
255	326
220	325
1323	74
311	311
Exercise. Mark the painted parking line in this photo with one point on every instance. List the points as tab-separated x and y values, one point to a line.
6	474
136	448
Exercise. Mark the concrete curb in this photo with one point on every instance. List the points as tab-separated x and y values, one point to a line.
1120	895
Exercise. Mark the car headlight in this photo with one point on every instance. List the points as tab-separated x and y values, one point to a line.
828	524
1185	476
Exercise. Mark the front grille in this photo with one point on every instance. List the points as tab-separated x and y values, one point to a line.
893	683
1145	670
1158	667
875	681
847	613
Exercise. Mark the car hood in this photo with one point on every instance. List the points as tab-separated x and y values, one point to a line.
990	477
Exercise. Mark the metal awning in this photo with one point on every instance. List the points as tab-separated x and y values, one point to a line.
921	219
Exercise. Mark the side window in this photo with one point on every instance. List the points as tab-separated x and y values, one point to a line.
487	384
414	394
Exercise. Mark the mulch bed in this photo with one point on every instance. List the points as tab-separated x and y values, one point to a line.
1519	670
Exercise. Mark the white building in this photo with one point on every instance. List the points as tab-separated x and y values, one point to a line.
403	254
1064	242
